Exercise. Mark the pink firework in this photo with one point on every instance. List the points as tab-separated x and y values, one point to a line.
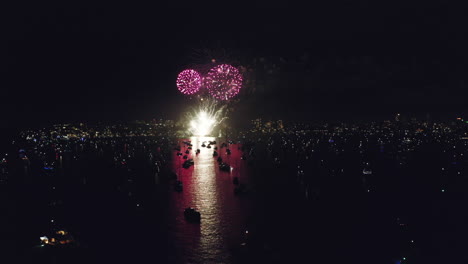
223	82
189	81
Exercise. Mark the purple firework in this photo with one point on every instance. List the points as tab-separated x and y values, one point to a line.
189	81
223	81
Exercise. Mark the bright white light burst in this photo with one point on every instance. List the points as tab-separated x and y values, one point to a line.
202	125
205	119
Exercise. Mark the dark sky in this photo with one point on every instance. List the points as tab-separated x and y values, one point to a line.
93	63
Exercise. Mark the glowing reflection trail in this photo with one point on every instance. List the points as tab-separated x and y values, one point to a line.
211	192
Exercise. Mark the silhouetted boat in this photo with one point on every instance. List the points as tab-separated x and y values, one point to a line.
178	186
188	163
224	167
192	215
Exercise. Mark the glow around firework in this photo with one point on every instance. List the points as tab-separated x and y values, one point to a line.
189	81
223	81
204	119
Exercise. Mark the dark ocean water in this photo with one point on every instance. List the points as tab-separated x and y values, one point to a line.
409	210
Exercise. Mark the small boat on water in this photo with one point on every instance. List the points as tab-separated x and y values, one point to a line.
58	238
192	215
188	163
224	167
215	153
178	186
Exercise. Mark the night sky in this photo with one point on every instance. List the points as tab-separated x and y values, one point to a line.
91	63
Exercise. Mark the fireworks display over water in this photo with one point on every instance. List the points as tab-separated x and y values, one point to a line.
189	81
215	89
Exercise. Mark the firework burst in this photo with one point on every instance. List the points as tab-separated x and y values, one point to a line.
205	118
223	82
189	81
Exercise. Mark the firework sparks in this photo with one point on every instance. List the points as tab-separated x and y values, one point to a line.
189	81
223	81
206	118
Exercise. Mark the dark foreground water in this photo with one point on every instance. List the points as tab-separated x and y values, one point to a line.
127	214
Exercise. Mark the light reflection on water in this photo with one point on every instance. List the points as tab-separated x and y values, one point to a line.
209	191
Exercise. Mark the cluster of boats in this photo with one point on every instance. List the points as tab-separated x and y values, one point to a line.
190	214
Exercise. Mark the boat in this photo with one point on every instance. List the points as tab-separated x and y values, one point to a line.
220	159
187	151
178	186
185	157
215	153
224	167
203	145
187	163
228	151
58	238
209	146
192	215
